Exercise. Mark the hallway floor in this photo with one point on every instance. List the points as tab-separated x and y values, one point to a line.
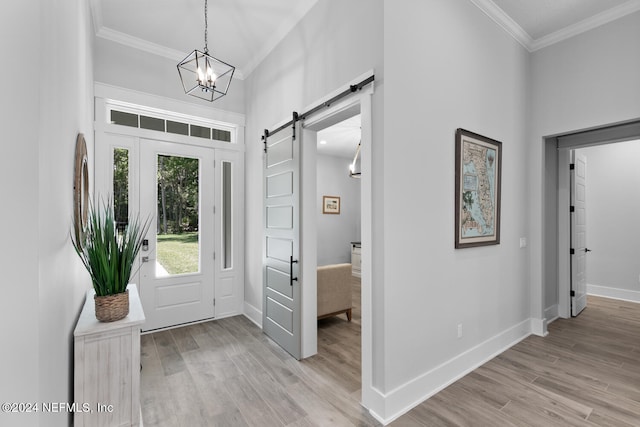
227	373
586	372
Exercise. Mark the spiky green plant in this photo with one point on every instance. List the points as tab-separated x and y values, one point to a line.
109	255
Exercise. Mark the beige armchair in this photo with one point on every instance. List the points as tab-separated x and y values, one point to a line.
334	290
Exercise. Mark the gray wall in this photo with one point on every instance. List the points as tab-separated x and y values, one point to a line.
335	232
613	203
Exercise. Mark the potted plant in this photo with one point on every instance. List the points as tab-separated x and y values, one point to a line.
109	255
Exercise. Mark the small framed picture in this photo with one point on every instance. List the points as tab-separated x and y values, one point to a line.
330	205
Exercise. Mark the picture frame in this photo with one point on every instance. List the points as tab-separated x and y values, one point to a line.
478	183
331	205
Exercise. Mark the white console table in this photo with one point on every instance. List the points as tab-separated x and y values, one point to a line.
107	366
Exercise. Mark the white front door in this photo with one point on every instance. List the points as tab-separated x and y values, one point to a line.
578	234
177	270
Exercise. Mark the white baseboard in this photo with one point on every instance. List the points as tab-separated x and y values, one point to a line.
253	314
538	327
551	313
615	293
407	396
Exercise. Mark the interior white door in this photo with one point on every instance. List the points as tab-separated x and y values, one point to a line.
281	318
578	234
177	272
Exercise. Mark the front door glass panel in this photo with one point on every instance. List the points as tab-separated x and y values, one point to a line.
121	187
178	216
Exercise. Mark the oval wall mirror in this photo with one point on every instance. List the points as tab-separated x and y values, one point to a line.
80	189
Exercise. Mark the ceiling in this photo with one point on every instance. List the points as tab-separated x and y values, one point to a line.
341	139
243	32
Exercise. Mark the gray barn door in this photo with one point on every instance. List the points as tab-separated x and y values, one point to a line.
578	234
281	290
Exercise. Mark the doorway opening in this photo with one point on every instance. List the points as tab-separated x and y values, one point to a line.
290	261
339	246
557	256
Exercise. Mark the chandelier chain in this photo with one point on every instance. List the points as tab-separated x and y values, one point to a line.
206	28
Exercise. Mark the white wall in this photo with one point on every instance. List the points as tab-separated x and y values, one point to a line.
587	81
66	108
41	272
19	368
613	201
336	232
126	67
447	65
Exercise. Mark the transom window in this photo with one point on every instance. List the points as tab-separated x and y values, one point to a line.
143	121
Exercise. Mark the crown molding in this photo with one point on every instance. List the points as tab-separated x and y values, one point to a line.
522	37
140	44
585	25
505	21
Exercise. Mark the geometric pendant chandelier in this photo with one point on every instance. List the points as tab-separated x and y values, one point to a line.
202	75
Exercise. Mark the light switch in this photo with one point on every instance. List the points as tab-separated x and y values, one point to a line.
523	242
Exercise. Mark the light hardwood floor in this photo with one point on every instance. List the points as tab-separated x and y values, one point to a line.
227	373
586	372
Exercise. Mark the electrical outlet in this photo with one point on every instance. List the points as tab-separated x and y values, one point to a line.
459	330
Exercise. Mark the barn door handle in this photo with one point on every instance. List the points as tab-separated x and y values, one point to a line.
291	262
587	250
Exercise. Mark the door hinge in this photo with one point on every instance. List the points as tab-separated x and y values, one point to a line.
214	301
214	209
572	166
572	251
214	256
572	293
572	208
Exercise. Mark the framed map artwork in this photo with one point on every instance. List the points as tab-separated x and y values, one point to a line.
478	182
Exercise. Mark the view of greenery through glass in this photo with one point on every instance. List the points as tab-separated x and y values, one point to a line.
178	249
121	187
